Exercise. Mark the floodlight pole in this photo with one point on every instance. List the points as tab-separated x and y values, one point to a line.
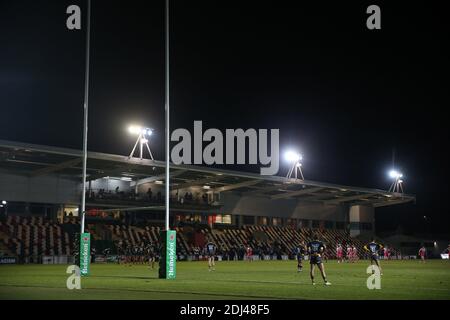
396	186
86	109
167	116
295	169
141	140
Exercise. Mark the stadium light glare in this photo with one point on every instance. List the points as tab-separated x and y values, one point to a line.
395	174
4	202
292	156
134	129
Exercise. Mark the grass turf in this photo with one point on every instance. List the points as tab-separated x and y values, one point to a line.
231	280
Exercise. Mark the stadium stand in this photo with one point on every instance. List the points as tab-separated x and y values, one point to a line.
29	237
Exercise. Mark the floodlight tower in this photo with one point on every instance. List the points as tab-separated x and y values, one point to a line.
296	168
397	184
143	135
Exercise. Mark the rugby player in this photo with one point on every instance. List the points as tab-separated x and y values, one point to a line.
151	254
339	253
210	250
300	251
373	249
354	253
315	250
422	253
249	253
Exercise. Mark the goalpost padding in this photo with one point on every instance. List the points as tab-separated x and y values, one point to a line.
168	259
85	253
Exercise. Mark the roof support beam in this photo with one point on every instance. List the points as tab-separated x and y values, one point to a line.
344	199
389	203
319	197
56	167
237	185
157	178
198	182
261	191
295	193
103	174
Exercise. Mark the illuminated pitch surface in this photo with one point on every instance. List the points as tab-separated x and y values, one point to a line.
231	280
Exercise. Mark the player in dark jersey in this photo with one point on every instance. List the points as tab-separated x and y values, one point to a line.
373	248
300	252
315	250
151	254
210	251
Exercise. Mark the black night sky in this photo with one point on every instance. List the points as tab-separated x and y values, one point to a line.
343	95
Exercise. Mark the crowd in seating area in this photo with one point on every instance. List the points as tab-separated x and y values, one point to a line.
149	196
31	237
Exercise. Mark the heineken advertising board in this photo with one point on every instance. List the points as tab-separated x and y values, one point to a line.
85	253
168	262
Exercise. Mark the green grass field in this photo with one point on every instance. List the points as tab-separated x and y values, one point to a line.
231	280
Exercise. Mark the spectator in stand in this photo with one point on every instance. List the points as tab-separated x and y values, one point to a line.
117	190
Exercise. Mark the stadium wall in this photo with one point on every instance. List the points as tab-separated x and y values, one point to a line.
359	217
236	204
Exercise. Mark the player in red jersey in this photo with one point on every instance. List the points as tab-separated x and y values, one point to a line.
249	253
422	254
386	253
339	253
349	253
354	253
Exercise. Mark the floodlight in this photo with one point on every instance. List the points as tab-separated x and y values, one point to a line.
292	156
3	202
296	167
397	184
134	129
142	141
395	174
